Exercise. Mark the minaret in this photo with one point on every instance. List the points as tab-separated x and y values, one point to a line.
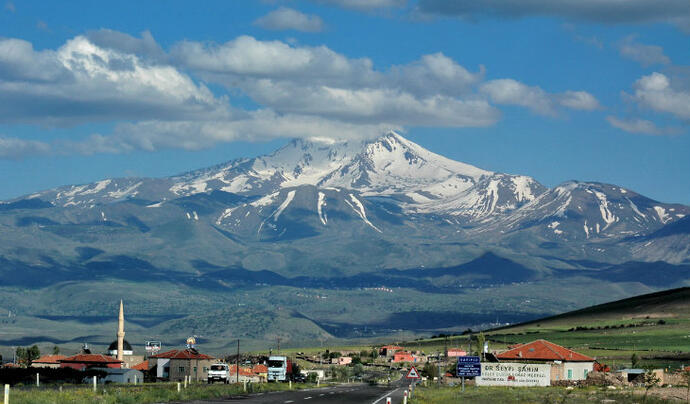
120	332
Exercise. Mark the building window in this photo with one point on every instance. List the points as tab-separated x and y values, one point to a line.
586	371
570	374
181	369
205	369
194	369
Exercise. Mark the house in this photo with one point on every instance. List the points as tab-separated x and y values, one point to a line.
244	374
320	373
261	371
404	357
455	352
142	367
343	360
123	375
389	350
565	364
174	365
88	361
48	361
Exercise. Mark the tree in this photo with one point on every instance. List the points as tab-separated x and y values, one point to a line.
32	354
56	350
430	370
20	354
374	353
634	360
480	341
650	380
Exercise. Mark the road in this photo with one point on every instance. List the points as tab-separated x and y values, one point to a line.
341	394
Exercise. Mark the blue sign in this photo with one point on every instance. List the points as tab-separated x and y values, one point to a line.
468	359
469	366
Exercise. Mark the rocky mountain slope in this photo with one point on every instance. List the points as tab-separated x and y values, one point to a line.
367	216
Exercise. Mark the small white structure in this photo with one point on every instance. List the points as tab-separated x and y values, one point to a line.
120	376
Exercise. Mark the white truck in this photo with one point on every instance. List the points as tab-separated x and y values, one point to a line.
219	372
280	369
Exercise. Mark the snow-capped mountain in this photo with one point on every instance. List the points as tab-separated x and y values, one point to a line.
390	166
389	190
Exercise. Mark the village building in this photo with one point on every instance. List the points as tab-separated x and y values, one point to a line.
565	364
389	350
128	357
261	371
121	376
404	357
88	361
48	361
455	352
244	374
341	361
174	365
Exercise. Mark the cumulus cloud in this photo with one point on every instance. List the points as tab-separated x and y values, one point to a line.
14	148
286	18
600	11
646	55
81	82
641	126
512	92
657	92
300	91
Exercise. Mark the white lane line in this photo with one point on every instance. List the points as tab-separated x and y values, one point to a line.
289	401
307	398
321	395
383	397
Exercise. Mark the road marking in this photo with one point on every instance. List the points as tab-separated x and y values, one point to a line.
307	398
321	395
289	401
383	397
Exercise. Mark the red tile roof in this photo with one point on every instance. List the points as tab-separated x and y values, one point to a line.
543	350
184	354
91	358
260	369
392	347
143	366
49	359
243	371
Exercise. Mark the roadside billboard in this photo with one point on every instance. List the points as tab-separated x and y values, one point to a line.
514	374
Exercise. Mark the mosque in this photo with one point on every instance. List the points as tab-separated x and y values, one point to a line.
120	348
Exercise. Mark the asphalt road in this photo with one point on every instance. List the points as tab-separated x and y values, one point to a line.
342	394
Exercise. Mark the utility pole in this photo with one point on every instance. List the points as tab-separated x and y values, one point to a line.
237	363
278	338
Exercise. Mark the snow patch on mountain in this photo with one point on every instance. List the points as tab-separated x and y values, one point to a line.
321	204
359	209
284	205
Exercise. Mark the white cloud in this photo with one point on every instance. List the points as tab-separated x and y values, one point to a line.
14	148
81	82
640	126
512	92
600	11
194	135
646	55
365	5
656	92
300	91
286	18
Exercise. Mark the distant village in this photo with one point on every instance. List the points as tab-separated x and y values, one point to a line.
538	363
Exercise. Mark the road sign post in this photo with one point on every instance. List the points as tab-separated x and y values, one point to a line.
468	366
413	374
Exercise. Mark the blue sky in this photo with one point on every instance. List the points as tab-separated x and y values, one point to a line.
589	90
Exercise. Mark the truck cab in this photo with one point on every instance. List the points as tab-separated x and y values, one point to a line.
219	372
279	369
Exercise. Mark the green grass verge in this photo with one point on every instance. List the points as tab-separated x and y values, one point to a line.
149	393
493	395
